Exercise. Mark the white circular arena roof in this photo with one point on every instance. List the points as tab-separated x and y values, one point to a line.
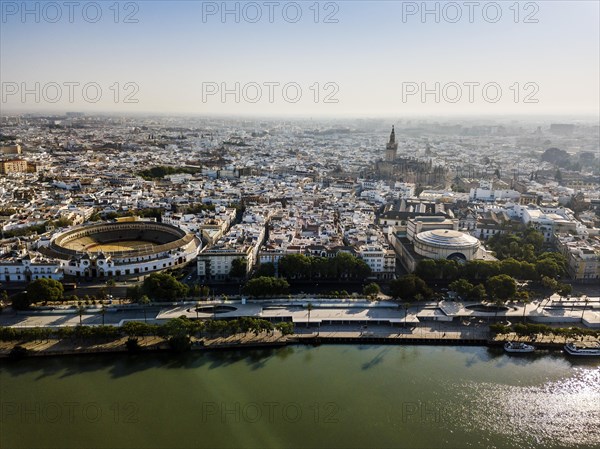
446	238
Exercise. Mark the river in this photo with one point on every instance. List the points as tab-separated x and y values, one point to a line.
331	396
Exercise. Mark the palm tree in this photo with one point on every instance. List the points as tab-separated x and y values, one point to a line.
584	307
406	306
80	310
309	307
144	301
103	312
498	303
525	302
110	284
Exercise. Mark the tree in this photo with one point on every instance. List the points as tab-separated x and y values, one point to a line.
534	237
134	293
475	270
548	268
558	176
144	301
80	312
501	287
498	303
110	284
178	332
44	290
511	267
427	269
265	269
462	287
295	266
478	293
351	267
21	301
584	307
565	289
205	291
371	290
555	257
555	156
409	286
549	283
163	286
342	266
285	328
309	307
266	286
238	268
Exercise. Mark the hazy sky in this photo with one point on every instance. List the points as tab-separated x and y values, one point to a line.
372	58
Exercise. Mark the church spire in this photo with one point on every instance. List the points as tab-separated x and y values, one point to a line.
391	147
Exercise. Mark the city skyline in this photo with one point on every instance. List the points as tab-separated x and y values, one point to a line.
376	60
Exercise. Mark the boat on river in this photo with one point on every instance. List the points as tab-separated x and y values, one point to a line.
516	347
584	351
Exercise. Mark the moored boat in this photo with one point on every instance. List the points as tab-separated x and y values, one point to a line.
516	347
573	349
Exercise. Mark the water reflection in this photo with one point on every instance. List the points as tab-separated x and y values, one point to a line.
375	360
555	414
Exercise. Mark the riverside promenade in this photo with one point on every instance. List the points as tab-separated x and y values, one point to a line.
325	321
583	311
553	310
435	334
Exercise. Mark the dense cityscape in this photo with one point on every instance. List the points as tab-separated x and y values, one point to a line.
299	224
257	191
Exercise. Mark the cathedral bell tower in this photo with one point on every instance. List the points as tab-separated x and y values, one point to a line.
391	148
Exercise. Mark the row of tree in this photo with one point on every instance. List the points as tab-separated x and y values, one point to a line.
266	286
547	264
161	171
524	245
543	329
499	287
175	328
343	266
162	287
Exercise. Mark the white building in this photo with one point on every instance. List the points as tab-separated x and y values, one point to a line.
486	192
214	264
28	268
382	261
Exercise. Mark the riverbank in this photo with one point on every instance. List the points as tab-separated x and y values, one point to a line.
53	346
447	336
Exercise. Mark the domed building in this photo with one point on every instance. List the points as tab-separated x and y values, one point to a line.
435	237
446	244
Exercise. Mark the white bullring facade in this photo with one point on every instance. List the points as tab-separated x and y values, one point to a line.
134	248
446	244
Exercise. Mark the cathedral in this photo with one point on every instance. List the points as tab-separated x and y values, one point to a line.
407	169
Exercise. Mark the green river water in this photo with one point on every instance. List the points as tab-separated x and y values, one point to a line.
332	396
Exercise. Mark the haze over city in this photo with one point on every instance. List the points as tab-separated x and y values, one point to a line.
543	56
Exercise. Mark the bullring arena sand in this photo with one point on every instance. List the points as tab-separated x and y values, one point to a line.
125	245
